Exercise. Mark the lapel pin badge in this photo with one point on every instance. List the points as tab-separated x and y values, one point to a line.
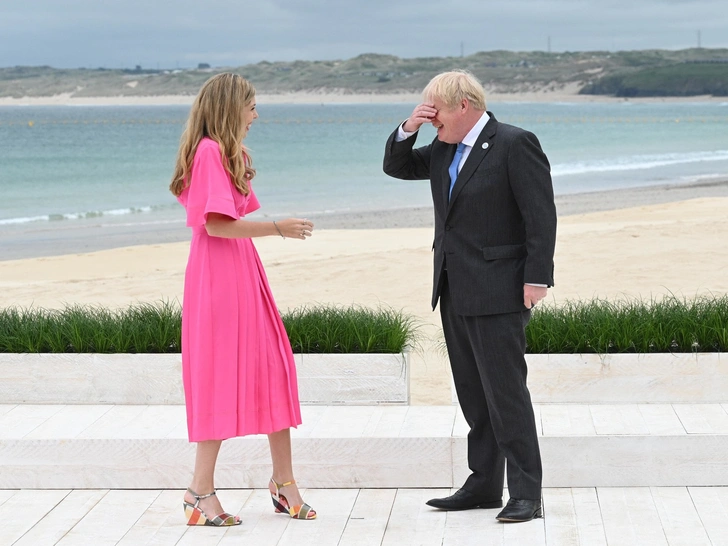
485	145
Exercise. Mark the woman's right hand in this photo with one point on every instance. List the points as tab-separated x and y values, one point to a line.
295	228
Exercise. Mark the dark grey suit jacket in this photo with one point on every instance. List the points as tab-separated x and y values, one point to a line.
498	230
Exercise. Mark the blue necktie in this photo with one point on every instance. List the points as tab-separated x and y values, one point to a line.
453	170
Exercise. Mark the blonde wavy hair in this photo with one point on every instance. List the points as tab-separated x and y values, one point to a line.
454	86
217	113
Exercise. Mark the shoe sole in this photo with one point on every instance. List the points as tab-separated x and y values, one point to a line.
483	505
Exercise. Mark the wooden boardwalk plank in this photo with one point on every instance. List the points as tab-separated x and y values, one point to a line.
696	516
4	408
662	420
680	520
261	525
562	528
113	422
388	422
310	415
567	420
22	511
368	520
334	505
474	527
160	524
56	524
343	422
588	517
618	419
5	494
703	418
23	419
428	421
630	517
69	422
413	522
711	503
153	422
110	519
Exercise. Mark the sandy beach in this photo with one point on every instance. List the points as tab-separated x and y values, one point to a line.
565	94
639	243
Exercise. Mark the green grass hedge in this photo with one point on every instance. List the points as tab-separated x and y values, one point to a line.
669	325
598	326
156	328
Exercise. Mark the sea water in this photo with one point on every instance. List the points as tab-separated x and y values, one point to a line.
69	163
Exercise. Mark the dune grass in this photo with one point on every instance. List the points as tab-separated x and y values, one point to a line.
141	328
156	328
668	325
354	329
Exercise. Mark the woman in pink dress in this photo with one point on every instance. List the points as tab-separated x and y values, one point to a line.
238	369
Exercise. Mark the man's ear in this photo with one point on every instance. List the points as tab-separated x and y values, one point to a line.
464	106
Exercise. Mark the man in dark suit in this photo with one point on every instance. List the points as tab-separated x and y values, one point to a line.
495	232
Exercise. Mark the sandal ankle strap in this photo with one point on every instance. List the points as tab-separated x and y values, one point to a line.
200	497
279	485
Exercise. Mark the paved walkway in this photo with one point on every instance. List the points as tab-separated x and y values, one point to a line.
641	516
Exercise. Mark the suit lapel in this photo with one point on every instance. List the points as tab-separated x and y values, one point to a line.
480	149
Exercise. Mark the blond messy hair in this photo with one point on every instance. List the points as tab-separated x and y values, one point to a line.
454	86
217	113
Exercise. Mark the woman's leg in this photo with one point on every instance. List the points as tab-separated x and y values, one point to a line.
280	452
203	481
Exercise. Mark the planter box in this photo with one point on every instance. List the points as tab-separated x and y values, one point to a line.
354	379
627	378
630	378
153	379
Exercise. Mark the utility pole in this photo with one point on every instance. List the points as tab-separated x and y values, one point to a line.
699	46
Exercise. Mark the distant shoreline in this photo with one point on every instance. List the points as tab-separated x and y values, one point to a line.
91	234
68	99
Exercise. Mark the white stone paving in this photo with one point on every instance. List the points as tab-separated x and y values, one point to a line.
640	516
36	421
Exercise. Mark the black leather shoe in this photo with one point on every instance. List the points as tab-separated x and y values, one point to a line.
518	510
464	500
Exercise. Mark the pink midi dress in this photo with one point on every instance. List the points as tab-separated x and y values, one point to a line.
237	365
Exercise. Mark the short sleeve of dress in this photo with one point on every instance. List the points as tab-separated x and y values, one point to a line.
210	189
251	203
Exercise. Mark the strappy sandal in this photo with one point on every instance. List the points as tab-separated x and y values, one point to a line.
196	515
280	502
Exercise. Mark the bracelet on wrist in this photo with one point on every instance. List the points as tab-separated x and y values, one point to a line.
278	229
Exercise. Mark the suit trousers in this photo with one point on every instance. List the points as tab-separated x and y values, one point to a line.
489	369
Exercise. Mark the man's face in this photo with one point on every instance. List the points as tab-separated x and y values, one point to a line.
449	122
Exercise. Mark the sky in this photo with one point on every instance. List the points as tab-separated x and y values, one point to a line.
183	33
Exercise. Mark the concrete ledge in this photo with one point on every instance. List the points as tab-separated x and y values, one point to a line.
327	379
122	447
612	461
365	379
634	378
353	379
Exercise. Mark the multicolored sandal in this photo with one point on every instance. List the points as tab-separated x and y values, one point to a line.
196	516
280	502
